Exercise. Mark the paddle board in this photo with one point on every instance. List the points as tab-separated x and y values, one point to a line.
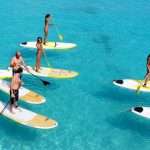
51	72
142	111
46	72
5	74
24	94
132	84
28	118
50	45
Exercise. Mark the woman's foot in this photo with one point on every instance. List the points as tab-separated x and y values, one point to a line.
144	85
37	71
55	44
18	109
12	112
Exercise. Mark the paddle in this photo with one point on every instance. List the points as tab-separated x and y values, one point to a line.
46	59
44	82
138	88
59	35
4	107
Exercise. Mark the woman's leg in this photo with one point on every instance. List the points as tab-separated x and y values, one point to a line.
12	100
146	78
40	60
37	62
45	36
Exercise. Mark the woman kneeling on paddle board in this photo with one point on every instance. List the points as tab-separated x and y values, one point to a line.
14	90
39	53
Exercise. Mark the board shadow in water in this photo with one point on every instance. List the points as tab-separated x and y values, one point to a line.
17	131
38	84
112	94
131	122
26	53
105	39
54	85
91	10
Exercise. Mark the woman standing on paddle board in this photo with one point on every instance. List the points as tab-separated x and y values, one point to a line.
39	53
47	24
14	89
147	76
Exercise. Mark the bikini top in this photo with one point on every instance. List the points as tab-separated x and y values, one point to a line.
39	47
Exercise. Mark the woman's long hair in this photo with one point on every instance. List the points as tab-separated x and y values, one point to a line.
38	39
48	15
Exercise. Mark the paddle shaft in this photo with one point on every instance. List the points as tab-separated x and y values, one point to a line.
46	59
138	88
44	82
55	26
4	107
60	36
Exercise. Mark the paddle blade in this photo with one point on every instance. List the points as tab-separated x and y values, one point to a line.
60	37
46	83
138	89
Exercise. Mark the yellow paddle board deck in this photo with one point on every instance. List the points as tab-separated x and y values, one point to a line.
24	94
28	118
52	72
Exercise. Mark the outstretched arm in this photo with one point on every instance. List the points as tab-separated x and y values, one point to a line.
23	63
51	24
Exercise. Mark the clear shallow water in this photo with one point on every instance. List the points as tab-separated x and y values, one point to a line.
113	43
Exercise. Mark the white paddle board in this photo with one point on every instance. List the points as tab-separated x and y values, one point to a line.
50	45
5	74
132	84
28	118
24	94
142	111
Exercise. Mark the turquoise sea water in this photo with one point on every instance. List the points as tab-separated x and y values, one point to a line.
113	40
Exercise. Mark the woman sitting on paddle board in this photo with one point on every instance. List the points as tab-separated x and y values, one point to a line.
147	76
39	53
47	24
14	90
